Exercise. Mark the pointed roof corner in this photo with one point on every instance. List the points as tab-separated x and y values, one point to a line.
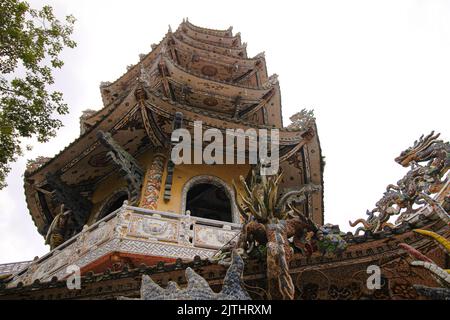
260	55
273	79
104	84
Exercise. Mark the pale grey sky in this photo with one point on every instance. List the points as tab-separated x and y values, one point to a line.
377	74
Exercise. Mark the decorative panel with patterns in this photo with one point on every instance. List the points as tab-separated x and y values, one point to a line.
211	237
149	227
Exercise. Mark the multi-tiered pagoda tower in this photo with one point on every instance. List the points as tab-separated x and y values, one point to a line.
115	205
123	154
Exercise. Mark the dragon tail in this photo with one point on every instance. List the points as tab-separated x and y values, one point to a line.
438	238
356	222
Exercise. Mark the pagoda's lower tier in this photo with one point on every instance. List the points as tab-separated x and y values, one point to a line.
114	253
132	236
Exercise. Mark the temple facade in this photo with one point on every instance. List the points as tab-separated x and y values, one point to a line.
114	203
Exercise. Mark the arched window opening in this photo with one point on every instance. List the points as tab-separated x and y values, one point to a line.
114	203
209	201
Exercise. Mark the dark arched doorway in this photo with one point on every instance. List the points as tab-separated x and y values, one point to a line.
206	200
112	204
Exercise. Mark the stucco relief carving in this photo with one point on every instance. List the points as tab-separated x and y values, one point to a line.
123	223
96	237
186	233
210	237
153	228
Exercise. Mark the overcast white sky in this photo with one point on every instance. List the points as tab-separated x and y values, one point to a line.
377	74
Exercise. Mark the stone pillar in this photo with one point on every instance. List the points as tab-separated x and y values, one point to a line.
153	182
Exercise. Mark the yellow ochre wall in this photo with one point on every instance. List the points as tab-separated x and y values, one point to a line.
103	191
181	175
111	184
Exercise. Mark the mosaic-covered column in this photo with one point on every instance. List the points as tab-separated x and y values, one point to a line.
153	182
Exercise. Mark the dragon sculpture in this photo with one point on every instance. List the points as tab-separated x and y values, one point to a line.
270	220
437	152
197	287
385	208
440	275
429	161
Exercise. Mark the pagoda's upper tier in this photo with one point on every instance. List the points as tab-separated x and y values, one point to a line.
203	36
208	69
220	37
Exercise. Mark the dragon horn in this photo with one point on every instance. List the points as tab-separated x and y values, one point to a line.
431	136
438	238
429	140
415	253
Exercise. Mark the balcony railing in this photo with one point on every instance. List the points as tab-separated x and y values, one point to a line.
133	230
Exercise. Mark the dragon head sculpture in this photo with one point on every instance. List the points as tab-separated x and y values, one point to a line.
419	151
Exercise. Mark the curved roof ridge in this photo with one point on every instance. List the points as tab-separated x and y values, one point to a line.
154	48
242	46
210	30
177	37
257	57
266	86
